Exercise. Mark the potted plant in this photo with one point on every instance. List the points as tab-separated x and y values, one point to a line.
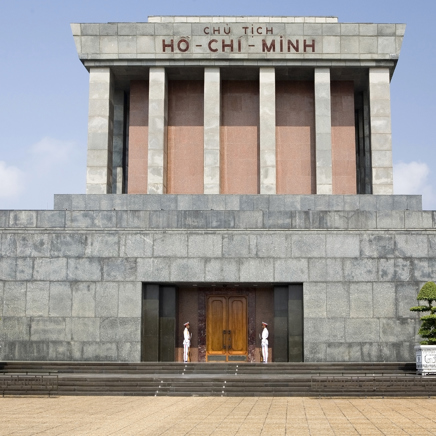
426	351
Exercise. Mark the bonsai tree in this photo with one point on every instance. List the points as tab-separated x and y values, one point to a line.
428	322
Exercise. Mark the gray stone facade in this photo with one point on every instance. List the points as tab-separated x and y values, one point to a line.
82	281
71	280
318	49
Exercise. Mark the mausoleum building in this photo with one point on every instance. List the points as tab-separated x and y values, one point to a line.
239	170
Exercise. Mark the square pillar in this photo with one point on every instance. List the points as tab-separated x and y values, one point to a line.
117	160
267	130
100	132
323	131
295	323
150	323
381	135
280	346
212	126
137	155
157	131
167	323
288	323
367	142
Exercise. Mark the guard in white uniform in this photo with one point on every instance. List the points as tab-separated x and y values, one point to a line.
264	342
186	341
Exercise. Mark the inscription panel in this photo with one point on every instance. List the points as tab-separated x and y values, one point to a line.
236	40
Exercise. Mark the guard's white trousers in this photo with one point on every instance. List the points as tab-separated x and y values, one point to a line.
265	352
186	345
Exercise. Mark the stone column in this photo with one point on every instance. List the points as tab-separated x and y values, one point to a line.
295	324
323	131
367	142
212	126
167	323
267	129
280	328
157	131
117	161
150	323
100	132
381	137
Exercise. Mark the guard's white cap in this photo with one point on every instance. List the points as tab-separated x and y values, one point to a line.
264	323
186	323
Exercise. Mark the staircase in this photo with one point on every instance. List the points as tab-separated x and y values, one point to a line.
214	379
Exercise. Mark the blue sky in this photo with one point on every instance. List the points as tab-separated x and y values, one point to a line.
44	92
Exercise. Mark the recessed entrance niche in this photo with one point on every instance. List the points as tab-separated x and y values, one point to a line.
225	322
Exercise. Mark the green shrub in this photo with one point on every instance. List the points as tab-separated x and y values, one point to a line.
428	322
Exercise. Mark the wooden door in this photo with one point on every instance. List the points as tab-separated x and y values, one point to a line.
226	329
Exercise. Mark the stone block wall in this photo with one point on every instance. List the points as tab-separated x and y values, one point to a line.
70	281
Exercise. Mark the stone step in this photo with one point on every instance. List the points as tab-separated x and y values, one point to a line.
81	387
200	379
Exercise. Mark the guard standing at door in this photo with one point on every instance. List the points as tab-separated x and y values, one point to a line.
186	341
264	342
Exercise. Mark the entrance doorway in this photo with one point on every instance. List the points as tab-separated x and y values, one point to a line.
227	328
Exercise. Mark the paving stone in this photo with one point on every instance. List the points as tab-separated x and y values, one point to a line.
339	245
119	269
60	303
50	219
205	245
33	245
104	351
375	245
85	329
106	299
14	299
83	299
338	300
386	270
361	303
384	300
16	328
50	269
324	330
129	351
22	218
406	298
256	270
362	330
273	245
24	269
291	270
136	245
47	329
129	299
102	245
308	245
84	269
222	270
344	352
60	351
411	245
37	298
68	245
392	329
360	270
170	245
157	270
315	300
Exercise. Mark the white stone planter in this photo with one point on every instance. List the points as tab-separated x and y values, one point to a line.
425	359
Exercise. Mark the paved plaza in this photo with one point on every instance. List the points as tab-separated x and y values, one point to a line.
216	416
